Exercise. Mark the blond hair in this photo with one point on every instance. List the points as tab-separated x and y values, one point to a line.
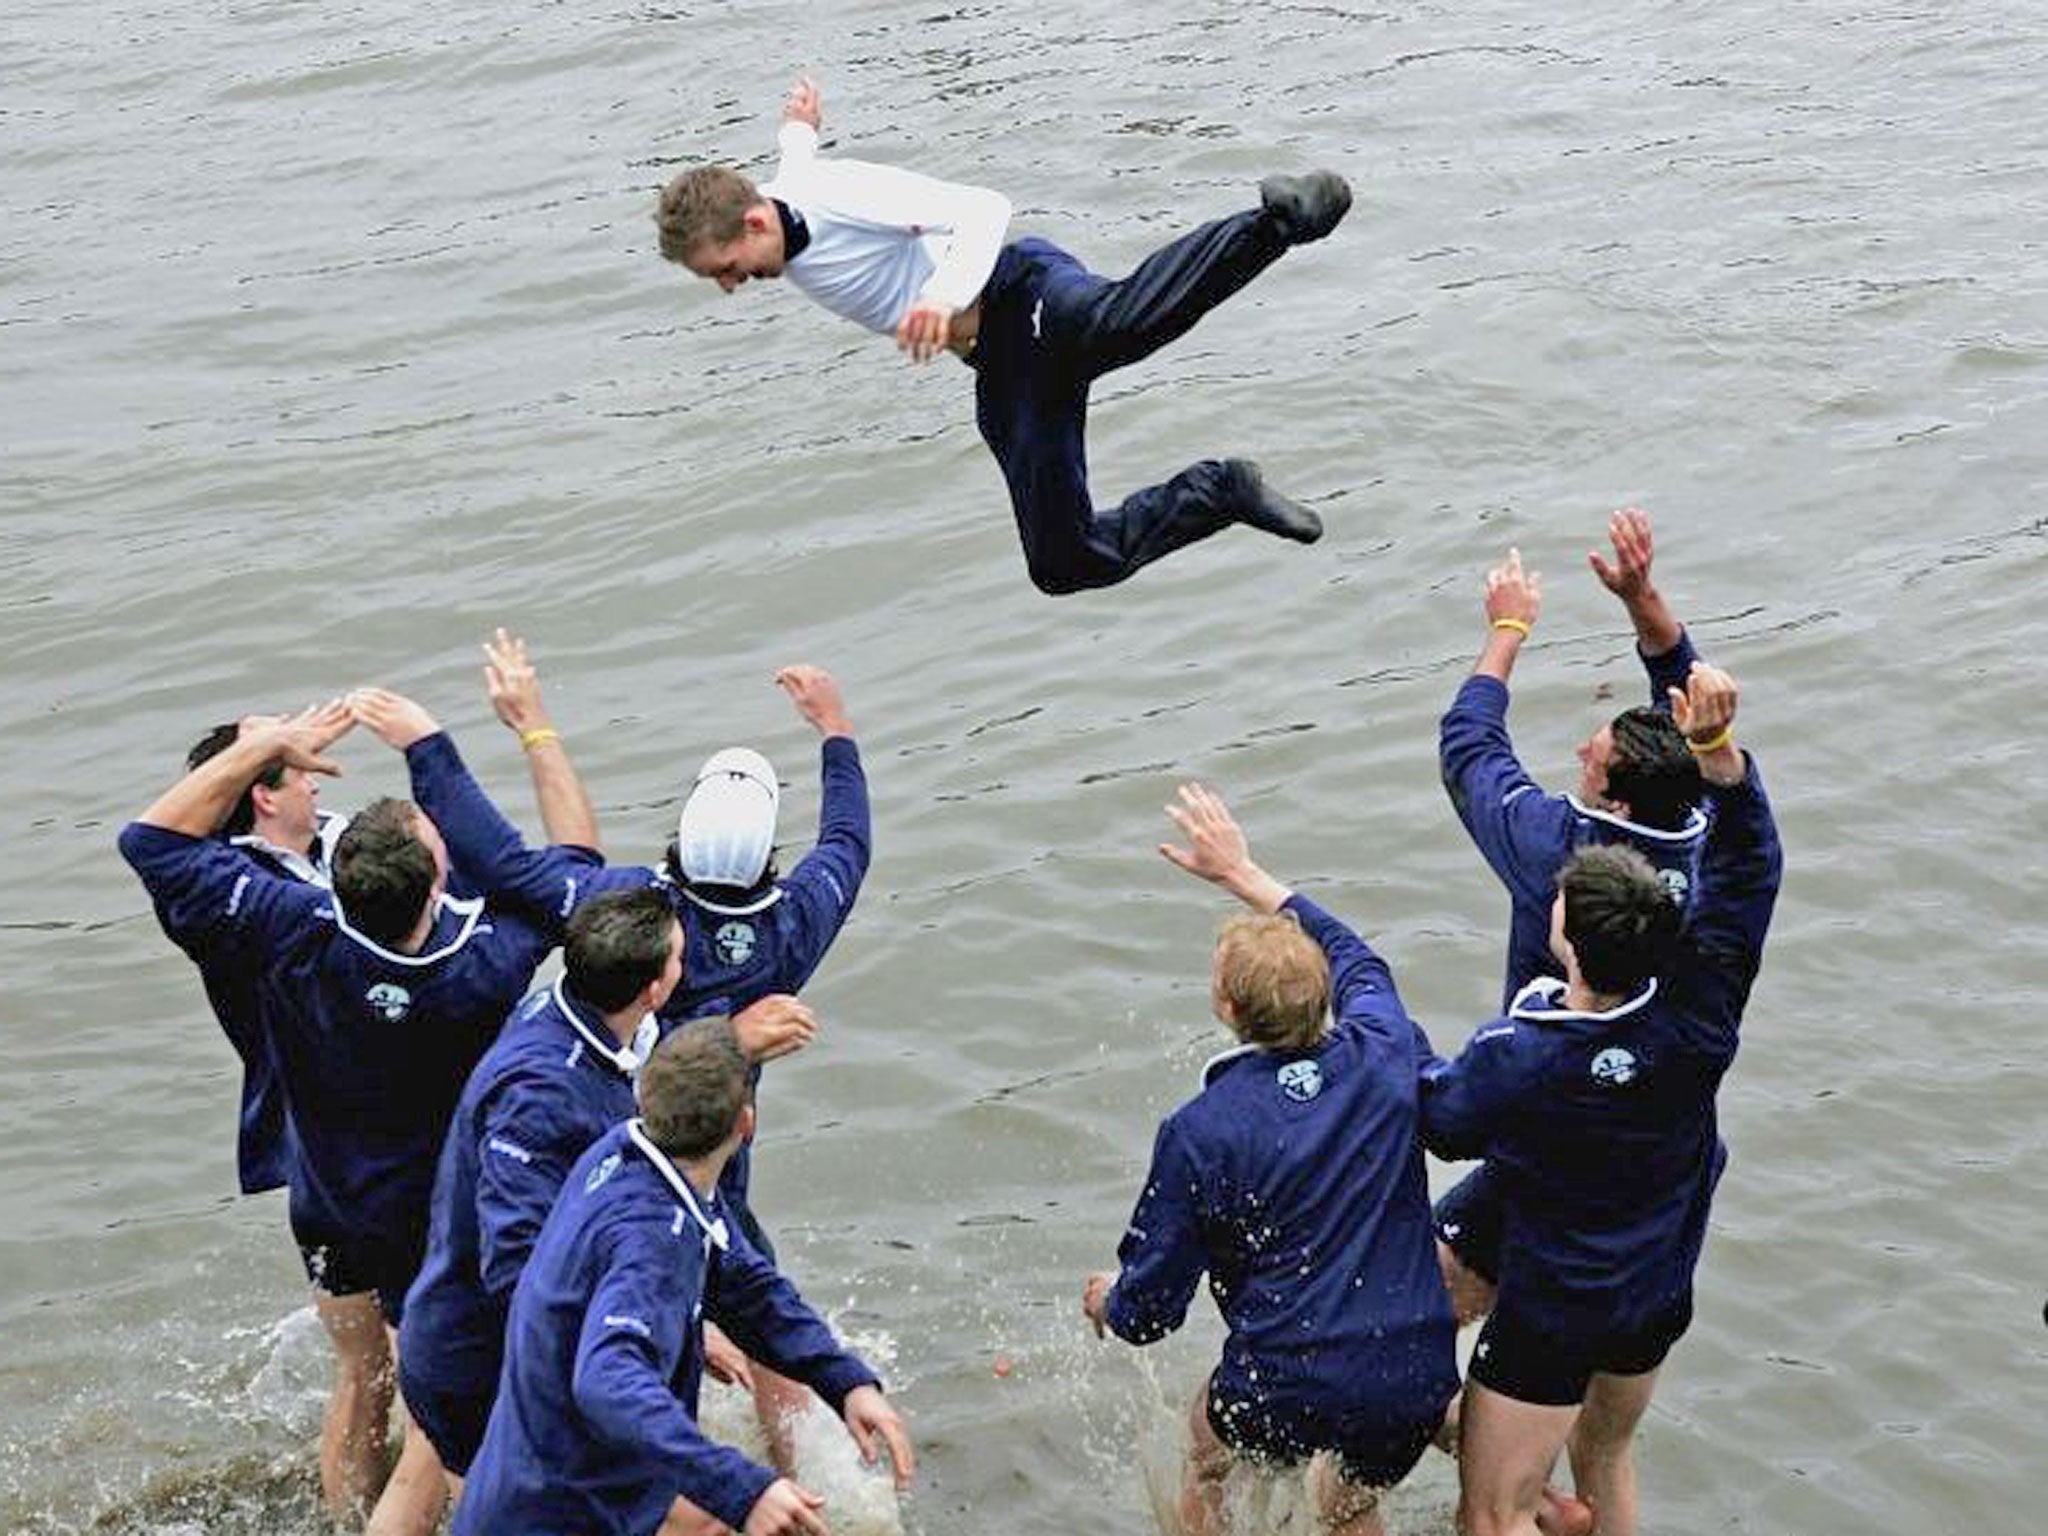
1275	979
707	204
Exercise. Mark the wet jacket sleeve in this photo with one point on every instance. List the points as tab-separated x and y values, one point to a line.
1162	1254
633	1336
546	882
1669	670
1522	833
762	1313
1741	867
1361	985
208	895
530	1139
822	887
1464	1102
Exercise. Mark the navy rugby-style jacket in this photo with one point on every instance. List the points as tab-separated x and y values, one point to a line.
553	1083
1295	1178
1526	835
1599	1130
594	1431
733	959
264	1144
372	1046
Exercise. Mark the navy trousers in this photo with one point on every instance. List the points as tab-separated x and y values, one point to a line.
1049	329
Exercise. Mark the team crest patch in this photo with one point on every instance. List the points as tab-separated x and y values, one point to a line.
1676	884
390	1000
1614	1067
601	1172
734	943
1300	1080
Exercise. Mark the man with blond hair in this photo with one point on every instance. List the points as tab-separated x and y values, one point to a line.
1295	1178
925	261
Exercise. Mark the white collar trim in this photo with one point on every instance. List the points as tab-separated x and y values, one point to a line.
626	1058
326	833
1221	1058
733	909
1695	824
1528	1004
469	908
713	1230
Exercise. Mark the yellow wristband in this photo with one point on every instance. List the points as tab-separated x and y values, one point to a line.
1714	743
1517	625
540	736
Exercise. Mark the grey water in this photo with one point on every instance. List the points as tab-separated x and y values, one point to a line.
333	336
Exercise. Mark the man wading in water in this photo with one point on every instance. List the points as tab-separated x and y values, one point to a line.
924	260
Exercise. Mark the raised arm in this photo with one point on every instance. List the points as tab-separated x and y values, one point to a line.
515	695
826	880
1161	1256
482	844
1658	631
1218	852
1521	832
201	800
1741	868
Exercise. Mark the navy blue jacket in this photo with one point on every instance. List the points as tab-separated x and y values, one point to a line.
552	1084
264	1144
1295	1178
1526	835
731	960
1600	1129
594	1431
372	1046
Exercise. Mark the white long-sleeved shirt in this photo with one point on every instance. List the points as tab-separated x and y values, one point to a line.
882	238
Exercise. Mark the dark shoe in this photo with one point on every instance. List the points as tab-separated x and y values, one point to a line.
1306	207
1266	509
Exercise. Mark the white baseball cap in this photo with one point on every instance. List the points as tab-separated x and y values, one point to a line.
727	829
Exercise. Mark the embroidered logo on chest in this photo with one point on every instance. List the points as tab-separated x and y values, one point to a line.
1300	1080
735	943
1614	1067
1676	884
390	1000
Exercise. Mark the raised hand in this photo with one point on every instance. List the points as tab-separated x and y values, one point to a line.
300	739
394	719
870	1417
803	103
1217	848
1514	597
777	1025
1628	578
1705	711
514	685
816	696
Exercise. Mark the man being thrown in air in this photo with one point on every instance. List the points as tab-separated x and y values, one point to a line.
925	260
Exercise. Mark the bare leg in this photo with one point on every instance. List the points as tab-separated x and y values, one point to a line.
779	1401
686	1519
413	1501
1209	1463
359	1411
1471	1293
1344	1507
1603	1461
1509	1448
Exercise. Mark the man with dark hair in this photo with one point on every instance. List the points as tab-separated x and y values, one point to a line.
924	260
373	1023
1592	1102
594	1430
1295	1179
1638	788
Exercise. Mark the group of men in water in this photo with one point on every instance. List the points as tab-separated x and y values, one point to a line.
539	1198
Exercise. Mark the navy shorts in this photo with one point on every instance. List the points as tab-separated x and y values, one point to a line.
453	1422
1468	1221
348	1266
1375	1448
1540	1363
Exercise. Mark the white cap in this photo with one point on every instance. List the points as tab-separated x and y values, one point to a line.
727	829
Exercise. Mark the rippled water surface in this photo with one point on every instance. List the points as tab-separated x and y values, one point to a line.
334	336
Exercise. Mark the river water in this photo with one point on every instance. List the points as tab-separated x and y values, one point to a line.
334	336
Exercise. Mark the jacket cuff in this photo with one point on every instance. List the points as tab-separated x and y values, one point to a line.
839	1379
